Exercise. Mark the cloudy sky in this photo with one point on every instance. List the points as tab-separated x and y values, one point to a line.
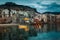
40	5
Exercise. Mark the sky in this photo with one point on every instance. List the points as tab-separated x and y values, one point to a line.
40	5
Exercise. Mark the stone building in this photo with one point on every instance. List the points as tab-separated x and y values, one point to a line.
9	9
53	21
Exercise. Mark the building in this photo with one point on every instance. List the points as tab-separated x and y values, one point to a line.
53	19
15	11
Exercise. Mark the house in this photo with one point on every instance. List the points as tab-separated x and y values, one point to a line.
19	11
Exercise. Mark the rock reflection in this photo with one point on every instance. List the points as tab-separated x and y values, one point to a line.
49	32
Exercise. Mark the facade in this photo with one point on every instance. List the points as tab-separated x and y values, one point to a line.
58	18
16	12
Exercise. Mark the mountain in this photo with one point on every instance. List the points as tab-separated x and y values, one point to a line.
12	5
51	13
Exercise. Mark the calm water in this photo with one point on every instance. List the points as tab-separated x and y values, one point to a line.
46	36
48	32
52	34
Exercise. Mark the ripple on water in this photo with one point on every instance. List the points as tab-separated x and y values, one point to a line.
46	36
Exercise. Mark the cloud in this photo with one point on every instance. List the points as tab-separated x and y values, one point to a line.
46	2
50	1
38	4
34	5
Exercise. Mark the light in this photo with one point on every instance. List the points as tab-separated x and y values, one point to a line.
26	19
24	27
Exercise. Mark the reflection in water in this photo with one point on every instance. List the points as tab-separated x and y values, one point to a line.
50	27
46	36
49	32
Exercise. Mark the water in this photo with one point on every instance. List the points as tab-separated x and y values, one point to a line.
46	36
50	32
